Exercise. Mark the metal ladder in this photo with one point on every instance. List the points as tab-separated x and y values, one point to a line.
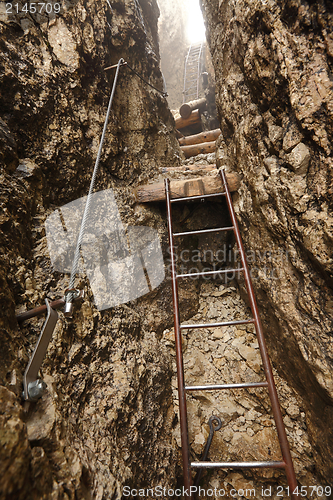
286	463
192	72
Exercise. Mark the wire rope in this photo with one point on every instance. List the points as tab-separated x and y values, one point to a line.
69	295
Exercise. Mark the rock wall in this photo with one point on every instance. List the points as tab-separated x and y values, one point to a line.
107	412
273	67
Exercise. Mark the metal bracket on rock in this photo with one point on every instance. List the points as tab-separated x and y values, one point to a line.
55	304
124	63
33	387
215	423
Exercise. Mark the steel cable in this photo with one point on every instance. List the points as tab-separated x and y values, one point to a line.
70	295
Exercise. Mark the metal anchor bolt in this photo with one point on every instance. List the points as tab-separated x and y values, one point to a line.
36	389
215	424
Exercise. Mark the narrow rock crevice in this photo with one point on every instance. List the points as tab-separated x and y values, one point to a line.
109	416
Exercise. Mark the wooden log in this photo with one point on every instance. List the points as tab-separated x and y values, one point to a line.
207	136
188	187
196	149
189	168
194	118
179	135
186	109
175	114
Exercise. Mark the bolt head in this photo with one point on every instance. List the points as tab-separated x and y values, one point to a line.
36	389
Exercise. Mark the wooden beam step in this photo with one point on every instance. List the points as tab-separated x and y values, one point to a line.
207	136
179	135
196	149
187	187
195	117
189	168
186	109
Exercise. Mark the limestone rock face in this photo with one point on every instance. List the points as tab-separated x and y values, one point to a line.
273	65
104	421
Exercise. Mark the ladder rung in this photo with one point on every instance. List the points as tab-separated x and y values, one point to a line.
203	231
210	273
213	325
238	465
225	386
196	197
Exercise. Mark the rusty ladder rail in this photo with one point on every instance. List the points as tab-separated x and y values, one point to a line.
286	463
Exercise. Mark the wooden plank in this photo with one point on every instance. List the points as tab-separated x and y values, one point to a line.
189	168
175	114
187	187
207	136
196	149
194	118
186	109
179	135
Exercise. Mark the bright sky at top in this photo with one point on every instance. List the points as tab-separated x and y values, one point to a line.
195	30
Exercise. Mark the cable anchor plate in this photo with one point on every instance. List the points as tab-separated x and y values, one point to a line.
33	387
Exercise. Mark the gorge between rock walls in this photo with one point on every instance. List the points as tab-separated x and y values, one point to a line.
109	416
